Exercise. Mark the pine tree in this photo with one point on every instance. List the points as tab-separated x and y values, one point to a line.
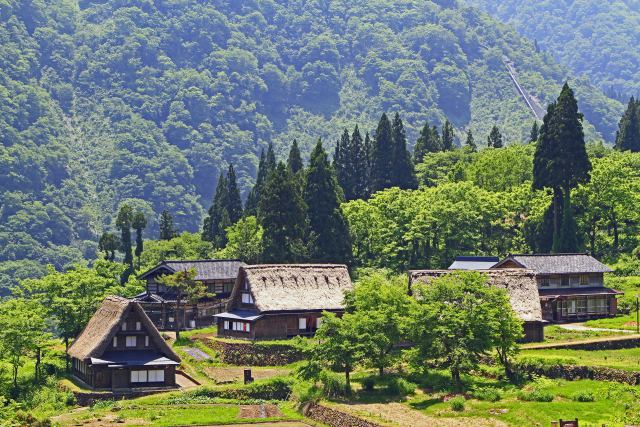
342	159
403	175
109	244
427	142
281	213
212	230
295	159
123	223
139	223
368	148
167	232
382	156
535	130
265	167
495	138
328	232
234	202
360	151
448	136
568	239
628	135
470	142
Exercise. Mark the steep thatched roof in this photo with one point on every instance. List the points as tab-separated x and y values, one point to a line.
206	269
519	283
293	287
557	263
95	338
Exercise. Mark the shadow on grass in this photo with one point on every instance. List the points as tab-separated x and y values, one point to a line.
424	404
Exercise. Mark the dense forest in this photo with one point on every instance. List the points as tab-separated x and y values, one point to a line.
145	103
596	38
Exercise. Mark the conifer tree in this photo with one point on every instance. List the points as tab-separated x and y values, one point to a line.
281	213
213	228
403	174
328	233
427	142
139	223
341	163
234	202
470	142
109	244
295	159
265	167
568	239
382	156
495	138
628	135
448	136
535	130
167	231
360	189
123	223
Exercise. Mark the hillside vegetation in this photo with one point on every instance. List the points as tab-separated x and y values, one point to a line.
142	102
595	38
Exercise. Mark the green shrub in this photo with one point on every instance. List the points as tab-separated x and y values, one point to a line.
457	403
276	388
488	394
583	396
536	395
305	391
400	387
368	383
333	385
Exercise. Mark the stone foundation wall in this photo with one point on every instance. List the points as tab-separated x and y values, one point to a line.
333	417
612	344
577	372
254	353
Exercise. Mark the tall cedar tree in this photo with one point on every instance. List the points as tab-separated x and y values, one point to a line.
560	160
448	136
123	223
295	159
427	142
403	173
234	202
382	156
470	142
213	228
281	213
360	186
368	154
568	240
139	223
266	165
167	230
108	244
341	163
329	235
535	130
495	138
628	135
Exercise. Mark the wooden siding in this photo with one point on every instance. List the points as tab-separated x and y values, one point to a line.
275	326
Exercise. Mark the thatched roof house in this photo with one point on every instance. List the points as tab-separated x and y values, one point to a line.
521	287
121	348
283	300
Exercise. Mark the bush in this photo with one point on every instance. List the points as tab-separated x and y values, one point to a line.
333	385
276	388
400	387
368	383
583	396
488	394
304	391
457	403
536	395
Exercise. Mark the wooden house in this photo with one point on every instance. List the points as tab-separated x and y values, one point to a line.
121	349
159	302
571	286
282	301
521	287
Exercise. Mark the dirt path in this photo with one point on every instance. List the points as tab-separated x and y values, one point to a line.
582	327
395	414
537	346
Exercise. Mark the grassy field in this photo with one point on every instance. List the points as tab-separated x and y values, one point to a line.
627	322
556	334
627	359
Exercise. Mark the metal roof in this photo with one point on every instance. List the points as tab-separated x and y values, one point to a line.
240	315
474	262
558	263
132	358
206	269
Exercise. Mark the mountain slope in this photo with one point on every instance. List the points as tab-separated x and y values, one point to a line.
145	102
592	37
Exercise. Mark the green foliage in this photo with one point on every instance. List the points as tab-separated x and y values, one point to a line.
536	395
628	135
457	403
244	241
167	230
400	387
489	394
494	139
294	161
184	246
188	291
584	396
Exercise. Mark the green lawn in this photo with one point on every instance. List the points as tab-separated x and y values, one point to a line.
627	322
627	359
556	334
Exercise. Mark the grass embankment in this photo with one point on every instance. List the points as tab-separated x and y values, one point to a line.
555	334
627	359
630	285
626	322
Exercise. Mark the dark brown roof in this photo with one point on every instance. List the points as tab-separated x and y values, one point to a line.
558	263
95	338
207	269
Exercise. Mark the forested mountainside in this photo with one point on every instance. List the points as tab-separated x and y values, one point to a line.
146	102
597	38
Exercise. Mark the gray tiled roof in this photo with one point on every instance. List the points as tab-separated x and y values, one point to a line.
473	262
558	263
207	269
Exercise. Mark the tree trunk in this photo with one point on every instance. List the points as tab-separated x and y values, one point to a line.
455	377
38	360
66	353
347	382
557	196
381	370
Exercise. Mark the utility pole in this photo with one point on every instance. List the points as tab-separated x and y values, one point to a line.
637	314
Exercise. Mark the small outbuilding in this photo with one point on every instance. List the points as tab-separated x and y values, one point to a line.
467	262
283	301
120	349
520	285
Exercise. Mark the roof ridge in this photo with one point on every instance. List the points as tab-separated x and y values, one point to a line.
259	266
556	254
201	260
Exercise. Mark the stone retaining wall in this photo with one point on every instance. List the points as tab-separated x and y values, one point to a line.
333	417
254	353
88	398
577	372
609	344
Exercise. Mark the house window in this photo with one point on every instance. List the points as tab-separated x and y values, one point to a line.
247	298
581	305
595	280
115	341
241	327
584	280
131	341
228	287
124	326
156	376
138	326
302	323
226	325
564	281
574	280
544	281
146	340
139	376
